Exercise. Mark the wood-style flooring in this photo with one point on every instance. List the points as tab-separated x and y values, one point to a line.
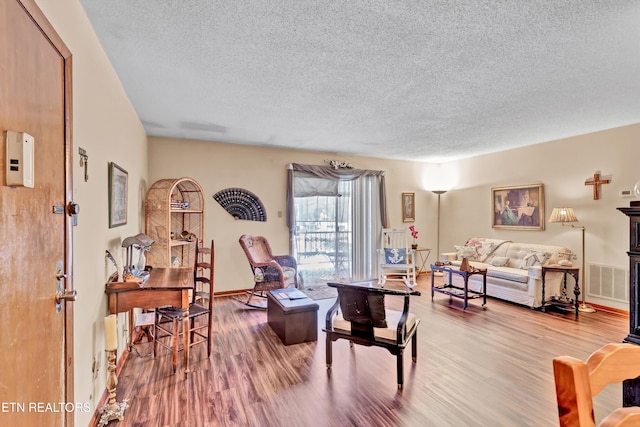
477	367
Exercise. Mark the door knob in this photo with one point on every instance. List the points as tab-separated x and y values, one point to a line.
66	296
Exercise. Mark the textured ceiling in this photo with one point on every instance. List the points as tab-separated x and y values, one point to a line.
420	80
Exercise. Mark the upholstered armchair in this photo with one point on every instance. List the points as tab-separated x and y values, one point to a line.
269	271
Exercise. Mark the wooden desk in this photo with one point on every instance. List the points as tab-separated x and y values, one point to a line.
165	286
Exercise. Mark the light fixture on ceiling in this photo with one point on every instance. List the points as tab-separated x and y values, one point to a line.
564	215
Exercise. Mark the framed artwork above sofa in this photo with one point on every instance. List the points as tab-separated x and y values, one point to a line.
518	208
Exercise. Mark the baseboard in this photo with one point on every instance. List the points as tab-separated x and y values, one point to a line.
599	307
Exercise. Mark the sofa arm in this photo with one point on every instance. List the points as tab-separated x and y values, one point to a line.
535	272
448	256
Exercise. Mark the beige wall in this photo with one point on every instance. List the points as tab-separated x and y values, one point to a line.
562	166
263	171
104	124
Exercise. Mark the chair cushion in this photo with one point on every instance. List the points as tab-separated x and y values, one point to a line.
395	255
270	274
388	333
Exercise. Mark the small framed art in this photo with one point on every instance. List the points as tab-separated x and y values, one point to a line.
408	207
118	190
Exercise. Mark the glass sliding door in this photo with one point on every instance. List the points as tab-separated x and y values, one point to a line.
323	238
334	218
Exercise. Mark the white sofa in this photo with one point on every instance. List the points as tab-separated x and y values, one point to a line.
514	270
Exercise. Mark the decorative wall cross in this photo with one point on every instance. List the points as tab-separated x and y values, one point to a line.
596	182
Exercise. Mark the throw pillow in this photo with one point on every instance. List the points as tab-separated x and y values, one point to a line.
533	258
470	252
395	256
484	251
499	261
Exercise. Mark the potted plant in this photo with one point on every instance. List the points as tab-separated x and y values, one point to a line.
414	234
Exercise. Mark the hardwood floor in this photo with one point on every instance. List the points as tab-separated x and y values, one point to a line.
477	367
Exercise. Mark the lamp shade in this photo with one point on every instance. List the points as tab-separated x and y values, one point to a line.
563	215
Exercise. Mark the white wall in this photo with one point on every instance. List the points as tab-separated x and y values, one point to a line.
107	127
263	171
562	166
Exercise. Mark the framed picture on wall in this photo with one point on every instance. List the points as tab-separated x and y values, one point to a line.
118	190
408	207
518	208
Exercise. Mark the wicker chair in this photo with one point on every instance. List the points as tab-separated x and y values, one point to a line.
269	271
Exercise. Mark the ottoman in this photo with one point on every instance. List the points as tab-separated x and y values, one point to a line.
293	320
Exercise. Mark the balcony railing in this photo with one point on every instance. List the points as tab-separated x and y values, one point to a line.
323	255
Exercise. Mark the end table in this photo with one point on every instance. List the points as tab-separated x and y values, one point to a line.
563	300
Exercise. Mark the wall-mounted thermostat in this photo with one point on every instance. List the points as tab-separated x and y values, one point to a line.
627	193
20	158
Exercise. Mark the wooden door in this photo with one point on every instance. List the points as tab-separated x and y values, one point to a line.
36	347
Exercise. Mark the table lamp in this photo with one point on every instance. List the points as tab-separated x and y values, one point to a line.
563	215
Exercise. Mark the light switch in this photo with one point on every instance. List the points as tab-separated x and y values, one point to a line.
20	159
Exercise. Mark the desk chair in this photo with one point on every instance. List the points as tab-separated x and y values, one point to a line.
359	315
169	319
577	382
269	271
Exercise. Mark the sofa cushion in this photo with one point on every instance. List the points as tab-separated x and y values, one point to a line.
507	273
498	261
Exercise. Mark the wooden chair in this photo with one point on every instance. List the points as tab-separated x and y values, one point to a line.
396	261
577	382
169	319
269	271
359	315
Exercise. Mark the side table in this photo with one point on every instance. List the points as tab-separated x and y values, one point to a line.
454	291
423	254
563	301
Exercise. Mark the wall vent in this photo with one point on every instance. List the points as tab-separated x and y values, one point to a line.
605	281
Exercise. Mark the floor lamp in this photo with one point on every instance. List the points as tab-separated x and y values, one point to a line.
439	193
563	215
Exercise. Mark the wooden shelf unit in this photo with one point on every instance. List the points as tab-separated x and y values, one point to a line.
161	220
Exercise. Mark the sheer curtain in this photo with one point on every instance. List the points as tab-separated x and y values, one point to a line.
368	207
